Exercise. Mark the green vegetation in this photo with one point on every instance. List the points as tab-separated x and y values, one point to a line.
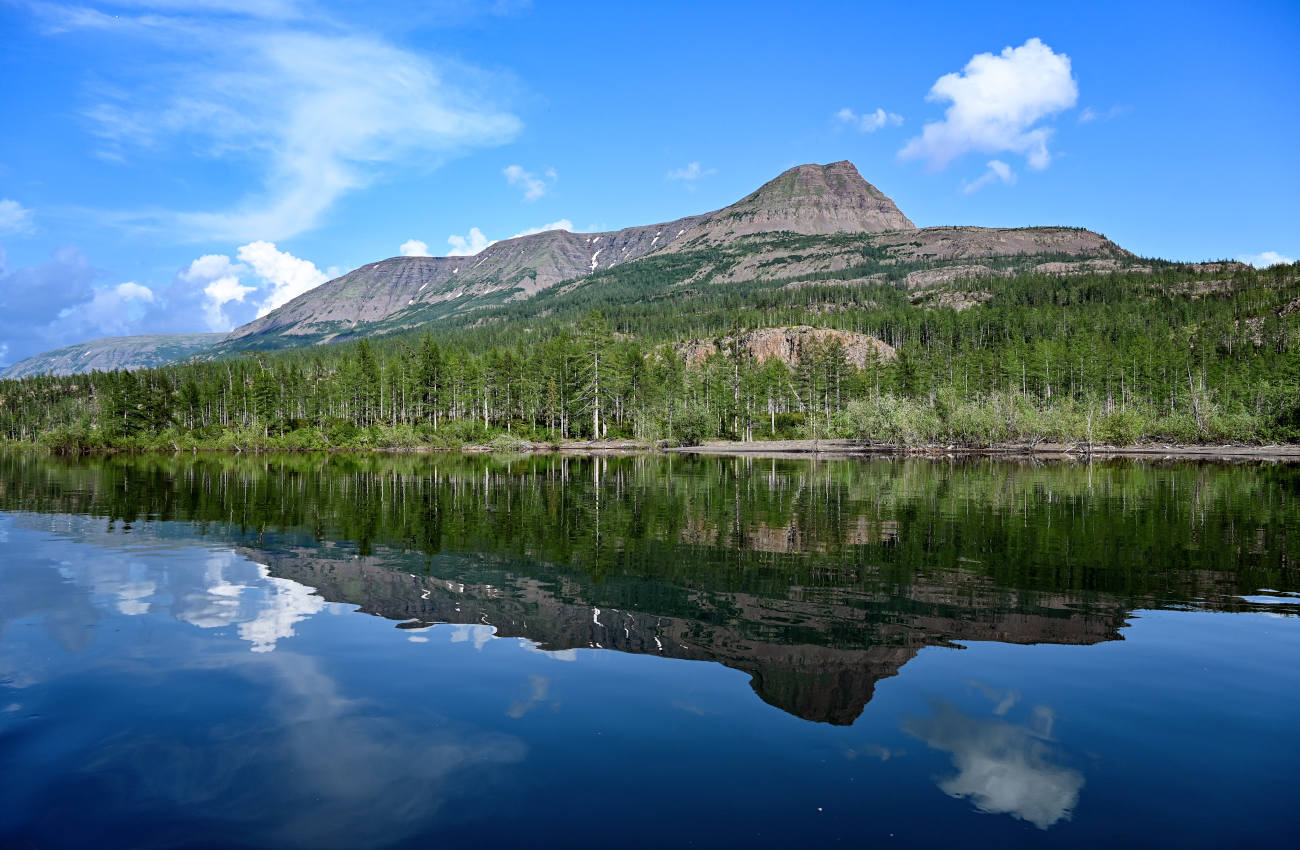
1119	358
738	525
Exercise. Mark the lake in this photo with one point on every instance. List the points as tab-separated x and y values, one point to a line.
446	650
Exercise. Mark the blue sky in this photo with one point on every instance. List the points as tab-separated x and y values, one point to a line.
182	165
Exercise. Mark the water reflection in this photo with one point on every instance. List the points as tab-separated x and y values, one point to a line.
296	763
818	580
1003	767
205	610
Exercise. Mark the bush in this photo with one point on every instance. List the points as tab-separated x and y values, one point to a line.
1123	426
459	433
340	433
693	426
509	443
890	419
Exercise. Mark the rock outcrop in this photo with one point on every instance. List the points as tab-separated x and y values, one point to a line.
790	345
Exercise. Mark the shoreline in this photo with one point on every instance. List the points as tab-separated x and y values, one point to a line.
792	449
1072	451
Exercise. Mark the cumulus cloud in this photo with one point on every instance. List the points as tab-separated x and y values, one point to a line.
276	276
286	275
562	224
475	241
14	217
314	113
112	311
467	246
1002	767
56	303
868	122
414	248
690	172
534	186
996	104
998	172
219	279
1266	259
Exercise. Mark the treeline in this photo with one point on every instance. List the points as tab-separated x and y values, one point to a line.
1104	358
716	525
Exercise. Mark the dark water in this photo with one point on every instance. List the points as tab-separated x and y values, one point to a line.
641	652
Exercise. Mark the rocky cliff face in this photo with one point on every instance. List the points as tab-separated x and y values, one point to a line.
807	200
790	345
105	355
815	654
811	200
513	269
810	221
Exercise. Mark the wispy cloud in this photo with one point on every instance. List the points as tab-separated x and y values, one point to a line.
534	186
996	104
14	217
998	172
1088	115
315	113
690	172
868	122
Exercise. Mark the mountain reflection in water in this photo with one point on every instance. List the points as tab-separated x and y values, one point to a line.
818	579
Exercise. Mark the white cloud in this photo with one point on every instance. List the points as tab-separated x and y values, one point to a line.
1089	115
314	114
287	275
691	172
272	9
277	277
220	279
475	241
132	291
998	171
414	248
1002	768
562	224
869	122
534	187
466	246
996	101
1266	259
113	311
14	217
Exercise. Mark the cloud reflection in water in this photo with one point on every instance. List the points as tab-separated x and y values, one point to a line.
1002	767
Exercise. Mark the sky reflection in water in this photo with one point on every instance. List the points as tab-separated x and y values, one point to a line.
184	683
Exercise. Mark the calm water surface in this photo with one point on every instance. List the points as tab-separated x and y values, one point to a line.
646	652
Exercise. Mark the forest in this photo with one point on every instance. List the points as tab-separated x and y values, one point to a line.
1107	358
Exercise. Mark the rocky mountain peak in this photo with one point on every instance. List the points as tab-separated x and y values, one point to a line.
813	200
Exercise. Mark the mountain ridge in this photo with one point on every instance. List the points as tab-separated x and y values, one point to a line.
108	353
767	231
811	222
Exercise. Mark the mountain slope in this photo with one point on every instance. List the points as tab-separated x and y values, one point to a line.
109	353
808	200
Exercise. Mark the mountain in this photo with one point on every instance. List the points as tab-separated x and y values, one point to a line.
109	353
818	225
812	222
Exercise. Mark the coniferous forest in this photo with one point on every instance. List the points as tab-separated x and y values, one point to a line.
1111	358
